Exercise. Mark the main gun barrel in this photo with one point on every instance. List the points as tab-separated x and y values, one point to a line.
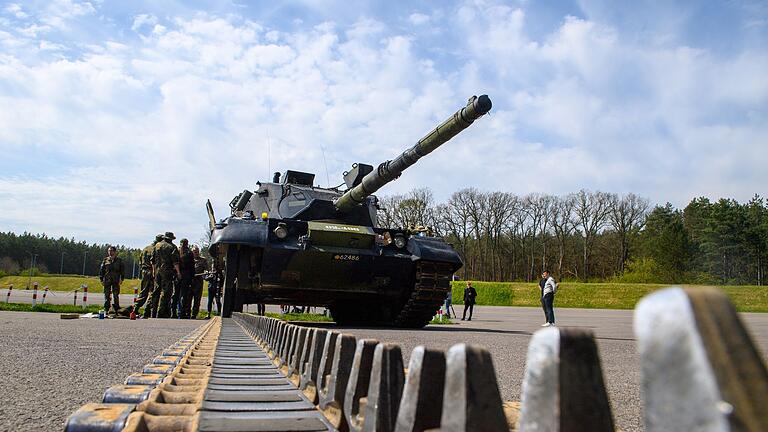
390	170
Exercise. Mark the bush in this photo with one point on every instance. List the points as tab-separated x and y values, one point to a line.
35	272
644	270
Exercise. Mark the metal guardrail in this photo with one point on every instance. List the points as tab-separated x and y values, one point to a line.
700	371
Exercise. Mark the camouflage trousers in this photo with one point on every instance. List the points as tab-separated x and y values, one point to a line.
185	296
111	290
163	292
193	298
147	286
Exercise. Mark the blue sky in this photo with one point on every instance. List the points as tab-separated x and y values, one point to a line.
118	119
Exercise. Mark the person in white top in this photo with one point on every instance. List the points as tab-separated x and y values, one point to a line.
548	289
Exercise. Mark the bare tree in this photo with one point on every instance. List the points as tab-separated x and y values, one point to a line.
387	216
563	225
627	217
591	210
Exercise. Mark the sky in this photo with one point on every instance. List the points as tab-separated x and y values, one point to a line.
119	119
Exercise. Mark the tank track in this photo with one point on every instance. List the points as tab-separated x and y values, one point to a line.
433	281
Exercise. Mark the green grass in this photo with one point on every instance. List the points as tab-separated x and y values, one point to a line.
597	295
570	295
445	321
23	307
70	283
304	317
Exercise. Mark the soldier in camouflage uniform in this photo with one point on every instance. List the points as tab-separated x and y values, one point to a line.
165	265
187	268
111	274
147	278
201	266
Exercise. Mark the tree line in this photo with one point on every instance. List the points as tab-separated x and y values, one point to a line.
21	253
592	236
588	236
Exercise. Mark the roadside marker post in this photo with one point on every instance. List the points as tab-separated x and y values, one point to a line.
85	295
34	294
135	296
74	303
45	293
8	296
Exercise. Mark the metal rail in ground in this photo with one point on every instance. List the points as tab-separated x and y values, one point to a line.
700	370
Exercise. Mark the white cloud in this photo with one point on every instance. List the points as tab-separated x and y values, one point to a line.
418	19
142	20
16	10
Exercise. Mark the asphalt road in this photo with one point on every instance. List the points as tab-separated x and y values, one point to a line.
51	366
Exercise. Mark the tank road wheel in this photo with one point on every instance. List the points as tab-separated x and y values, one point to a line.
229	296
363	314
353	314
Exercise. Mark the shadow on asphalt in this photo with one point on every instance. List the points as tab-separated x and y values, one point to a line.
452	328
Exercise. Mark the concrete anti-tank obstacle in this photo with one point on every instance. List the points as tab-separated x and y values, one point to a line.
359	380
563	388
311	375
385	389
334	387
421	406
471	399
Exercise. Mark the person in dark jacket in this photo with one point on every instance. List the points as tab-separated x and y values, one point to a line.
469	301
187	269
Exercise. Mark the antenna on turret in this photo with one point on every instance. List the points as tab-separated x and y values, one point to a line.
269	153
327	177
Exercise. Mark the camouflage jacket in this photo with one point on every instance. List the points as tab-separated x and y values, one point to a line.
186	262
201	266
164	256
112	270
145	258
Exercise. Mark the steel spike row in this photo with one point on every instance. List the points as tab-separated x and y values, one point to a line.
700	371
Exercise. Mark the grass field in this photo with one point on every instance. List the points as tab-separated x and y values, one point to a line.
26	307
569	295
69	283
597	295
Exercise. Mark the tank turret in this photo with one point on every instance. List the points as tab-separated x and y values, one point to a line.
390	170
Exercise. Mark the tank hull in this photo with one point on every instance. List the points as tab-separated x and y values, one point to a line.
368	285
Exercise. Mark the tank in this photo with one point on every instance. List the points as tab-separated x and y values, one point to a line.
290	242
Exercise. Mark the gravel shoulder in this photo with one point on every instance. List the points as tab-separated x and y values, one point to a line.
54	366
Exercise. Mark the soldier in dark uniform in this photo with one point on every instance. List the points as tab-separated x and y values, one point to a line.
187	268
201	266
215	280
111	274
147	278
175	293
165	266
469	301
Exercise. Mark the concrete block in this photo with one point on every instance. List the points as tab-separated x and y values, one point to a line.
563	387
422	403
471	398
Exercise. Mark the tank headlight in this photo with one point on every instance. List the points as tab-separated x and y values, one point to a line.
386	239
399	241
281	231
